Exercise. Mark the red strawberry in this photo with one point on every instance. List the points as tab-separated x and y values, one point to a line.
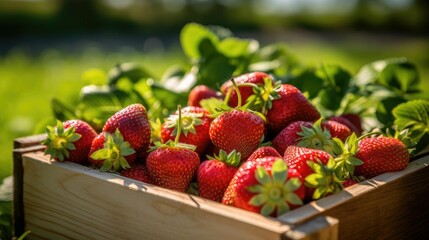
289	135
237	130
172	165
346	122
381	155
201	92
337	129
349	182
263	152
133	124
355	120
110	152
317	168
291	106
215	174
69	141
137	172
195	128
265	186
245	91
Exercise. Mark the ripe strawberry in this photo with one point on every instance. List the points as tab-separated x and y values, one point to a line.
110	152
245	91
195	128
289	135
137	172
265	186
201	92
381	155
317	168
237	130
349	182
263	152
291	106
355	120
337	129
172	165
215	174
69	141
346	122
133	124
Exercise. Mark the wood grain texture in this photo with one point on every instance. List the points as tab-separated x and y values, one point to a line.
390	206
69	201
28	141
321	228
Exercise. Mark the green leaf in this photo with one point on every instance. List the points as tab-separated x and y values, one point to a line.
62	111
215	71
413	115
191	37
336	85
236	47
308	82
133	71
384	110
401	75
211	104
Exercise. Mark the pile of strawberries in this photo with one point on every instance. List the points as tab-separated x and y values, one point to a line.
266	149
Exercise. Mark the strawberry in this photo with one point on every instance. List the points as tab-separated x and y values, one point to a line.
337	129
346	122
137	172
349	182
289	135
69	141
215	174
317	168
237	129
263	152
133	124
245	91
356	120
265	185
291	106
381	155
172	165
201	92
195	128
110	152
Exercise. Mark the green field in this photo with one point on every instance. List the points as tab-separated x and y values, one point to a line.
29	82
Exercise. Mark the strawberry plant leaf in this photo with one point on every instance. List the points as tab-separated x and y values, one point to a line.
236	47
308	82
384	110
191	37
211	104
414	115
62	111
132	71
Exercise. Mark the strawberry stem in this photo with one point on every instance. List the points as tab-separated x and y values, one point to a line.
179	125
237	91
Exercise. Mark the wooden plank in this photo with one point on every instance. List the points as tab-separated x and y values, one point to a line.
392	205
69	201
321	228
28	141
18	205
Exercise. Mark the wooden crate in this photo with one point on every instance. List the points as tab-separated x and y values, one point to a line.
62	200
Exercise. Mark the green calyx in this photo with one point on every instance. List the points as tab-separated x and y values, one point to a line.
275	192
263	96
317	138
176	142
188	123
60	141
404	136
231	159
324	179
346	161
114	152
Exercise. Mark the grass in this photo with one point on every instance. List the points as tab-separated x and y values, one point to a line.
28	83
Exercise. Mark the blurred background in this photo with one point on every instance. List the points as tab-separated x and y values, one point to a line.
46	45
